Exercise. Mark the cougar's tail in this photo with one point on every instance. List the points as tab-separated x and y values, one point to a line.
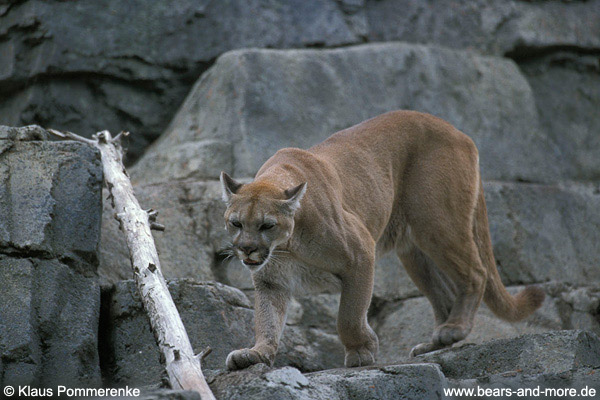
503	304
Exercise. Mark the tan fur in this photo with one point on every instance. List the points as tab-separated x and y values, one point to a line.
402	181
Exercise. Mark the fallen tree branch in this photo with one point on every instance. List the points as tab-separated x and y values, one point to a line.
183	367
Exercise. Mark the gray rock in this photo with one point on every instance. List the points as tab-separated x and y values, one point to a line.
48	324
404	324
548	353
423	381
309	349
584	381
49	230
214	315
50	199
133	72
566	87
253	102
560	360
31	132
391	280
161	394
189	247
502	27
319	311
20	349
545	232
286	376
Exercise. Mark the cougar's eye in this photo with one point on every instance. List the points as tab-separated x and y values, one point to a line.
266	226
235	223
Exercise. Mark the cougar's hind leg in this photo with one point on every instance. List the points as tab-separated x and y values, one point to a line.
455	253
440	212
464	267
434	284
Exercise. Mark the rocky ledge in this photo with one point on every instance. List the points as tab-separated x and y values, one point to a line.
551	363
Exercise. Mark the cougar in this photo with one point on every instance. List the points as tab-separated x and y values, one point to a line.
403	181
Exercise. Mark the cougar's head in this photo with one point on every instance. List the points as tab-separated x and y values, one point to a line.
259	217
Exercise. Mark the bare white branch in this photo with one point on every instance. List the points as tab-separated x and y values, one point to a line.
72	136
120	135
183	368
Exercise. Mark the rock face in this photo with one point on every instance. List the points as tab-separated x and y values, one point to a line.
545	232
549	353
214	315
49	231
566	88
506	27
43	210
423	381
133	72
222	317
190	245
298	98
402	324
571	359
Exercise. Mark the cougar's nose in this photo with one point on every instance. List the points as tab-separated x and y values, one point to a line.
248	249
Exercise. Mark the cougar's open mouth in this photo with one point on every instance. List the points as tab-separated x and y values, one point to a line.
248	261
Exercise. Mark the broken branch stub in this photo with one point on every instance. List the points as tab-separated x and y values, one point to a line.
183	367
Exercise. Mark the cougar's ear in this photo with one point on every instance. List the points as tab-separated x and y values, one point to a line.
294	195
229	186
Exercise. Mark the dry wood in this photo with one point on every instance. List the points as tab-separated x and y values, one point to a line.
183	367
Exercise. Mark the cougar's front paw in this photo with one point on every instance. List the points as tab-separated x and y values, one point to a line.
359	357
239	359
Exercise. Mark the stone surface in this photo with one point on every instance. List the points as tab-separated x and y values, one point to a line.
31	132
560	360
133	73
189	247
49	199
49	231
214	315
163	394
423	381
550	352
497	27
545	232
566	87
60	63
309	342
584	381
404	324
253	102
